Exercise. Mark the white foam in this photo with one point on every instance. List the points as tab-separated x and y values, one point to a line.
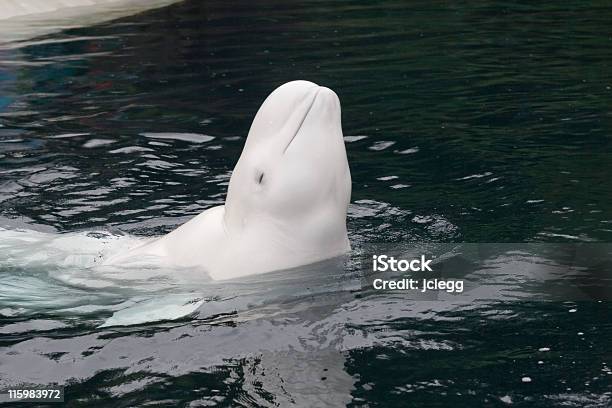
170	307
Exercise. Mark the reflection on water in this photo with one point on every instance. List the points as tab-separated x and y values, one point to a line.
482	122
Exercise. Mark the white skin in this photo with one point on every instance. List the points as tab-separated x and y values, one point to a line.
287	198
24	19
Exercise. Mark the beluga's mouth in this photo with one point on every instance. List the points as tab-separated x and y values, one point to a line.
301	122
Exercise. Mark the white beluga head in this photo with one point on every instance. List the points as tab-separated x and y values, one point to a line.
287	198
292	179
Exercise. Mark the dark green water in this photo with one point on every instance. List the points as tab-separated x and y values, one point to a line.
465	122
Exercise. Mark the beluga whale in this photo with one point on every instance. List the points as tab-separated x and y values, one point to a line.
287	197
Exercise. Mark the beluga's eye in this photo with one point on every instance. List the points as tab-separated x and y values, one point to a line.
260	177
